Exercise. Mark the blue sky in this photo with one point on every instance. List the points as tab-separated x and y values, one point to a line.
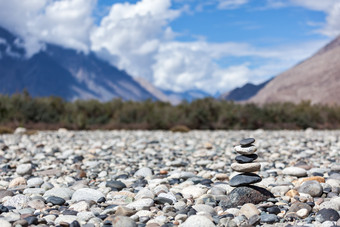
210	45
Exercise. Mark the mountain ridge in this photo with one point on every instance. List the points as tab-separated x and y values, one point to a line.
71	74
316	79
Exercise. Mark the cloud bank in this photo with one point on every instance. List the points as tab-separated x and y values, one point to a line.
138	38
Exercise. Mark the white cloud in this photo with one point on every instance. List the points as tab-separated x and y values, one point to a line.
138	38
64	22
183	66
133	33
331	27
231	4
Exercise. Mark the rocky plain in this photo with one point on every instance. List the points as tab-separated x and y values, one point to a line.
161	178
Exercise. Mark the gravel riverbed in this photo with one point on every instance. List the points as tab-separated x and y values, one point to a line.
159	178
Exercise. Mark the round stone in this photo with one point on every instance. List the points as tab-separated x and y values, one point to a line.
249	210
246	158
327	215
269	218
245	150
55	200
24	169
198	221
242	195
312	188
244	179
115	184
246	167
295	171
87	194
247	141
123	221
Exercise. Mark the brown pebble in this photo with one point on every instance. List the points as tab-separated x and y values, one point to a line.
319	201
163	172
298	182
82	174
291	193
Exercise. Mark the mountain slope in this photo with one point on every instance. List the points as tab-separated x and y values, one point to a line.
63	72
316	79
243	93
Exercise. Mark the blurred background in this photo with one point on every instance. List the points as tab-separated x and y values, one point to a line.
169	64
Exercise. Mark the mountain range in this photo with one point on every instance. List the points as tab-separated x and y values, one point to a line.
72	75
316	79
243	93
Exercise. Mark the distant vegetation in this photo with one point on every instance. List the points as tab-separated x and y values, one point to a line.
54	113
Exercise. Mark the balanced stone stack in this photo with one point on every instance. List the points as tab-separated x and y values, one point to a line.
245	164
244	192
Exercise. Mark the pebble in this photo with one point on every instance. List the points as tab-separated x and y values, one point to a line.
327	215
244	179
193	191
312	188
168	179
87	194
246	167
143	172
242	195
55	200
16	182
141	204
245	150
295	171
247	141
249	210
64	193
24	169
4	223
246	158
123	221
269	218
197	221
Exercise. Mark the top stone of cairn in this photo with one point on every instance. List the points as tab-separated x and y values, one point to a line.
247	141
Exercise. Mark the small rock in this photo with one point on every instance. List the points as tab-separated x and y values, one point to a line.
327	215
87	194
246	158
244	179
141	204
4	223
143	172
193	191
295	171
115	184
269	218
247	141
16	182
249	210
245	150
18	201
246	167
197	221
55	200
35	182
242	195
64	193
124	211
312	188
302	213
119	221
24	169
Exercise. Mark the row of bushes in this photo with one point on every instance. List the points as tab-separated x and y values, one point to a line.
53	112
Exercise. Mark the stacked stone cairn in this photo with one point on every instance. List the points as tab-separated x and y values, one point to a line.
244	192
245	164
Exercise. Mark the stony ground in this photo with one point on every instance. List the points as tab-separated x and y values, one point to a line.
156	178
